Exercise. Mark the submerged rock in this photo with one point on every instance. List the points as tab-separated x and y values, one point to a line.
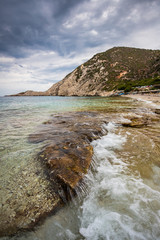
67	163
68	157
55	174
157	111
28	199
136	123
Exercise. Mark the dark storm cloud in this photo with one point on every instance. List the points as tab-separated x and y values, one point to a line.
31	24
67	25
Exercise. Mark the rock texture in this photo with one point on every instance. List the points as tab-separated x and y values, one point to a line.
105	71
68	157
56	174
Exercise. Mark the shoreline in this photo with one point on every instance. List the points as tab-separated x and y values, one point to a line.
148	98
83	127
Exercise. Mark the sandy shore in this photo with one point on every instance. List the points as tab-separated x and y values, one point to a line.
153	98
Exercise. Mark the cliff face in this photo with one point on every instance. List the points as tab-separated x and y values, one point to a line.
106	71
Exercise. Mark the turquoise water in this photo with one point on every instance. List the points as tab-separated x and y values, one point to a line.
21	116
24	105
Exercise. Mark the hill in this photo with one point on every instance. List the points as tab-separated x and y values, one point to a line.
117	68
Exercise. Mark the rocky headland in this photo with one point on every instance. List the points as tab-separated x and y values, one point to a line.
119	68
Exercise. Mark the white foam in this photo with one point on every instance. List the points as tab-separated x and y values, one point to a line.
118	206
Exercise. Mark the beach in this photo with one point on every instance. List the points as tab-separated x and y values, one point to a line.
154	98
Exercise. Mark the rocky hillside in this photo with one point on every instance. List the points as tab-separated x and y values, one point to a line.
111	70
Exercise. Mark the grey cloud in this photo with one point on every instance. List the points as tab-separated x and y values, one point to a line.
120	20
42	24
31	23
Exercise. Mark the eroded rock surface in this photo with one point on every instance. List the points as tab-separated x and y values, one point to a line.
26	198
157	111
68	154
45	184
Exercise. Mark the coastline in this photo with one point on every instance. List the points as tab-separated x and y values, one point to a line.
149	98
78	128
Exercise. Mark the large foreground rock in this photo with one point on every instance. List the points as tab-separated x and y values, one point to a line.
56	173
68	157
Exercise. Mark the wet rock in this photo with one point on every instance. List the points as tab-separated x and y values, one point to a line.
67	163
36	138
47	122
157	111
86	125
68	157
56	173
136	123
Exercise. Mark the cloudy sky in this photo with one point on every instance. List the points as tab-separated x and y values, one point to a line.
43	40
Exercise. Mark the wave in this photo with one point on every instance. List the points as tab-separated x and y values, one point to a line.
118	206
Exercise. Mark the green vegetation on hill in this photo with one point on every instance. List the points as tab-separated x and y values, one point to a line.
126	68
128	86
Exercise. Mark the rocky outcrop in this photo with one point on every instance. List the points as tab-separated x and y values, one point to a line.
136	122
57	172
68	157
29	93
105	72
157	111
67	163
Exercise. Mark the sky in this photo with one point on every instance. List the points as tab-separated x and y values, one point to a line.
41	41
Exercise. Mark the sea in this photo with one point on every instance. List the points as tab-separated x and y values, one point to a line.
120	195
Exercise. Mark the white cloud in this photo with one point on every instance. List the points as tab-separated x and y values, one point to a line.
90	14
93	32
6	59
37	72
144	38
42	69
109	12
